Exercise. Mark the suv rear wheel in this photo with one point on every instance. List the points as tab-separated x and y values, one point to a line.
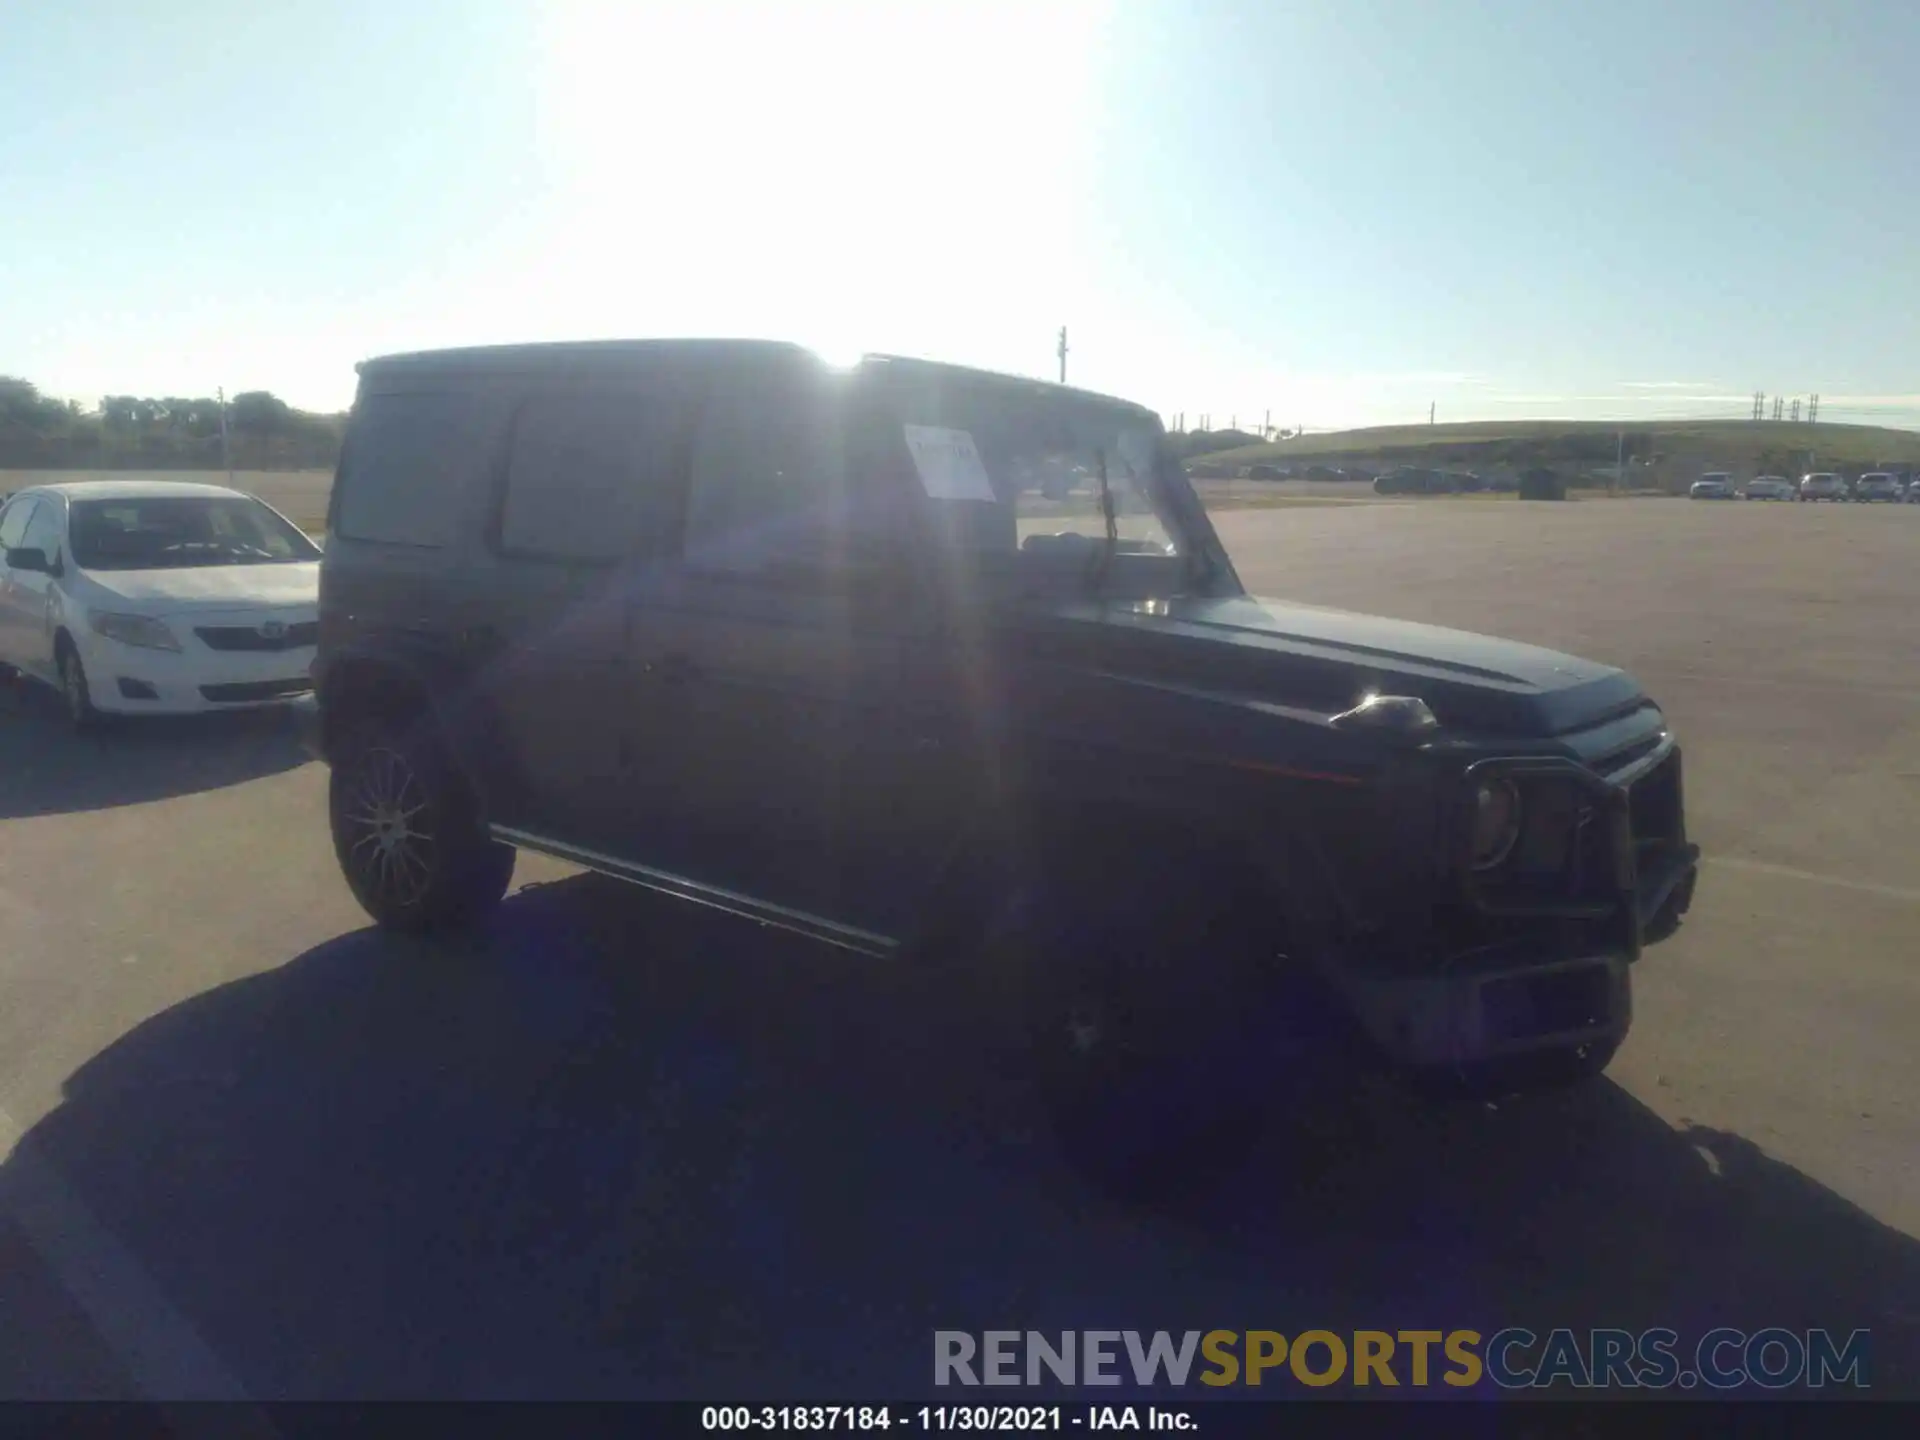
408	836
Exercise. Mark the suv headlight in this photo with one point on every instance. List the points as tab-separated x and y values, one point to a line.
140	630
1496	822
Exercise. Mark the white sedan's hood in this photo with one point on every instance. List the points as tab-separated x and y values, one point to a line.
211	587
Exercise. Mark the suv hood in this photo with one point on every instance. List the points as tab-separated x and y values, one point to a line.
210	587
1325	660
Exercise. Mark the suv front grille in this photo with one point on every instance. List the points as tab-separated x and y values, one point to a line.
1653	802
249	637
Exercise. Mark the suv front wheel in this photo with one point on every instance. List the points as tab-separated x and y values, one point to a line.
1148	1012
408	835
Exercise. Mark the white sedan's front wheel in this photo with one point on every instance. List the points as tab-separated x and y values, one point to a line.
74	690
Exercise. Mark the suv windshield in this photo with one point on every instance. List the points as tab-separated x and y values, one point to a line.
174	532
1038	482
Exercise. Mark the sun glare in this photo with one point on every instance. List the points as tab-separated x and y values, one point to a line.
880	176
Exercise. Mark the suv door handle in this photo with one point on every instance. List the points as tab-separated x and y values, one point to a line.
676	668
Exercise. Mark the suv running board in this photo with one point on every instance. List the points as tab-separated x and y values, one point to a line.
796	922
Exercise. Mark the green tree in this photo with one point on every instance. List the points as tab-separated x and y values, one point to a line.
259	412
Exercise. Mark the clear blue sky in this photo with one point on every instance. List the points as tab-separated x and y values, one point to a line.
1340	209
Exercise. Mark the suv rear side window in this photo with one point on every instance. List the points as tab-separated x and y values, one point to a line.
586	475
408	461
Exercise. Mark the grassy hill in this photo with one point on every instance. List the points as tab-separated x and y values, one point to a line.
1742	446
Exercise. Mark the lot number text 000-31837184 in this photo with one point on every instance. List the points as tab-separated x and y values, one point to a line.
937	1418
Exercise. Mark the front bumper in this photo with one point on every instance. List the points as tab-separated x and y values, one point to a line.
1466	1015
1548	974
306	719
130	680
197	678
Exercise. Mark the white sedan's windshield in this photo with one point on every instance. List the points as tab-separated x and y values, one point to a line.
171	532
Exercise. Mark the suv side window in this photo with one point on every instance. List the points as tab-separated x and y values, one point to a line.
408	459
772	495
13	523
585	476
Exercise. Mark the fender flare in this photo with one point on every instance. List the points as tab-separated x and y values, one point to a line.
408	680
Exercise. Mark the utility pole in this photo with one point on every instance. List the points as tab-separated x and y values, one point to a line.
1266	426
1759	403
1430	406
1813	409
226	454
1796	410
1779	401
1619	461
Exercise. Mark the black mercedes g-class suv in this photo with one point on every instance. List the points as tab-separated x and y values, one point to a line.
919	660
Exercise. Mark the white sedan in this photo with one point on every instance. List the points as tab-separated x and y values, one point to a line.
156	597
1769	487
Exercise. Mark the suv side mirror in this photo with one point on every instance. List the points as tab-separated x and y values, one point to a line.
29	559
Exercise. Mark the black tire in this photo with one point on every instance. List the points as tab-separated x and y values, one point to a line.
76	694
1147	1014
407	834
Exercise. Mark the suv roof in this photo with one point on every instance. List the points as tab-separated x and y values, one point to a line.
573	354
574	358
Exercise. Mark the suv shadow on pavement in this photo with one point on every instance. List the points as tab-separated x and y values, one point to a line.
46	769
545	1162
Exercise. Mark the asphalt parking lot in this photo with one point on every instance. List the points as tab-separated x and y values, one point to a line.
618	1148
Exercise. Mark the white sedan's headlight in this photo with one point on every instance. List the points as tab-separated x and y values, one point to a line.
1496	822
141	630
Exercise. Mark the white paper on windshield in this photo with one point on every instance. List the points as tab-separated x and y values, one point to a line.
948	463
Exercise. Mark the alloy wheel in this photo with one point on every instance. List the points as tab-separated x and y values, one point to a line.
386	816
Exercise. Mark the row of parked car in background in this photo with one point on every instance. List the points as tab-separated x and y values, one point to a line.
1890	486
1401	480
